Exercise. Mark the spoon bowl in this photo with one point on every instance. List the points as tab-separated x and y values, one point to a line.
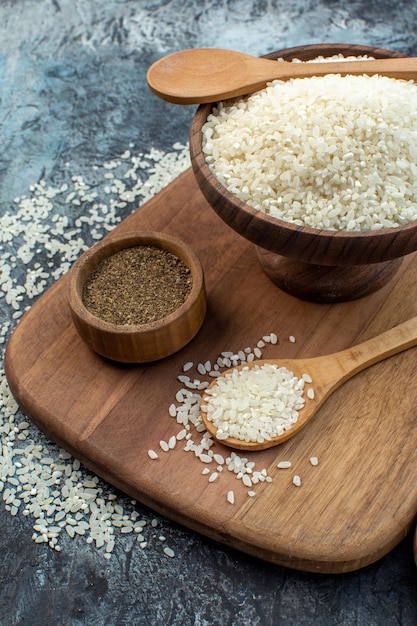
327	372
202	75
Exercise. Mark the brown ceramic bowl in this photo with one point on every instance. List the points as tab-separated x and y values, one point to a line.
138	343
318	265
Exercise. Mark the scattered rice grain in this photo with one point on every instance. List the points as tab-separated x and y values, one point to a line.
164	445
169	552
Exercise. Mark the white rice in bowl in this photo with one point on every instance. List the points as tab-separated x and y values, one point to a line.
332	152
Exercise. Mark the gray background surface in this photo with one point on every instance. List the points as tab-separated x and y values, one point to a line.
73	91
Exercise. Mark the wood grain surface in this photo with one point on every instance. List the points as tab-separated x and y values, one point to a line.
351	509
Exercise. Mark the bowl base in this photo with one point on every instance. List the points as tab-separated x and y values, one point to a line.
325	283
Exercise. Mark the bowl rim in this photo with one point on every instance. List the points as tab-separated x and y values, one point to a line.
98	252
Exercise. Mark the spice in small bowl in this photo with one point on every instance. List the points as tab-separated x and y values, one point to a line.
137	285
137	298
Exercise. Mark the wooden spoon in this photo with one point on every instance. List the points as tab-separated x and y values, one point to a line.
327	372
211	74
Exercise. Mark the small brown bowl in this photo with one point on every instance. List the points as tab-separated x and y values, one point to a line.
137	343
312	264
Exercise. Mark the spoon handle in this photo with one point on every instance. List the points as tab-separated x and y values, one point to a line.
404	68
353	360
202	75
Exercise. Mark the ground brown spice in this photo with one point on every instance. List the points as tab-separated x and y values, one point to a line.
137	285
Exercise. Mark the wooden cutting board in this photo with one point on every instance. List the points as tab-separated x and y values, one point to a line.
351	509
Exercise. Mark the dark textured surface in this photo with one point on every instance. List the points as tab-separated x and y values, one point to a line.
73	90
